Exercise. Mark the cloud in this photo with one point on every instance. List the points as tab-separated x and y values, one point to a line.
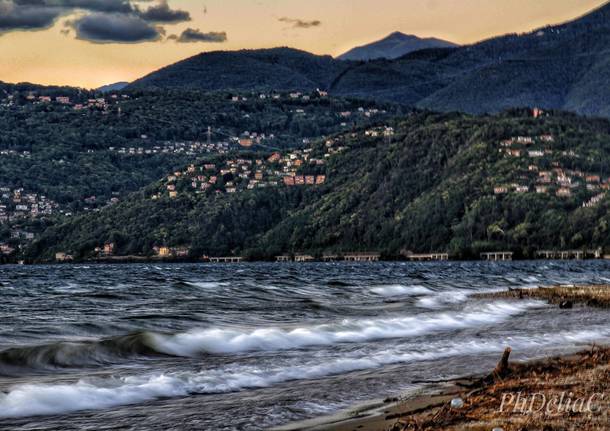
18	17
121	6
163	13
299	23
113	27
191	35
101	21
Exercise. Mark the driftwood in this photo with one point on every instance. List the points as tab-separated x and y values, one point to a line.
501	371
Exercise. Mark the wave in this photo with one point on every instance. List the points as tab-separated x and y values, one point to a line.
200	342
231	341
76	354
50	399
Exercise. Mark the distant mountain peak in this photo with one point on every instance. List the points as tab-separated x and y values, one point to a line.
395	45
399	34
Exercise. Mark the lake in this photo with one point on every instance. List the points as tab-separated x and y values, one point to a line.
251	346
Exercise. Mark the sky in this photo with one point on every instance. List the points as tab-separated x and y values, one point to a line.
89	43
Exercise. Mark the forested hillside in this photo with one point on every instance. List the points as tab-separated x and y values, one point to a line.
118	143
428	182
262	70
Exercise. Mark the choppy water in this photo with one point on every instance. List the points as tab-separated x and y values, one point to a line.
251	346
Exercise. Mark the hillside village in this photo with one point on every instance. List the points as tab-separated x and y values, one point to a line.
294	168
16	206
191	148
76	103
543	170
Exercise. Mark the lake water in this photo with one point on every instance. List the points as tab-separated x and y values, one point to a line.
251	346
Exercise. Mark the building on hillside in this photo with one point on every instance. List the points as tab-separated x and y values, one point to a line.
63	257
275	157
109	248
162	251
246	142
6	249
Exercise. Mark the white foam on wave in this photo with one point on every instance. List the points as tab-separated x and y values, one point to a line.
442	299
226	341
207	284
38	399
389	290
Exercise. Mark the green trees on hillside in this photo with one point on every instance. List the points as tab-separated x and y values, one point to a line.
440	183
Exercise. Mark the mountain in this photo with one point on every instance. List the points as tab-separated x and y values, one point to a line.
438	182
117	86
393	46
560	67
266	69
563	67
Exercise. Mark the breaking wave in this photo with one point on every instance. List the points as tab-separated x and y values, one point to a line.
76	354
199	342
227	341
40	399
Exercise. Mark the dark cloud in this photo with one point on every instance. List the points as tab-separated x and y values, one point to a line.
26	17
191	35
102	21
109	28
163	13
299	23
121	6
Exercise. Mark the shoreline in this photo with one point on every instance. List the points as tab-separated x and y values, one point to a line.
147	259
491	400
513	396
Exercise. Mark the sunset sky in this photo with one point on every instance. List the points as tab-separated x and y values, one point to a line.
89	43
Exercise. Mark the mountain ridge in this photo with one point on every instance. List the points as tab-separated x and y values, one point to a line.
280	69
565	66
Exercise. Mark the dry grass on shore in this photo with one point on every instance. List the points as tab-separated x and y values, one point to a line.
591	295
577	378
